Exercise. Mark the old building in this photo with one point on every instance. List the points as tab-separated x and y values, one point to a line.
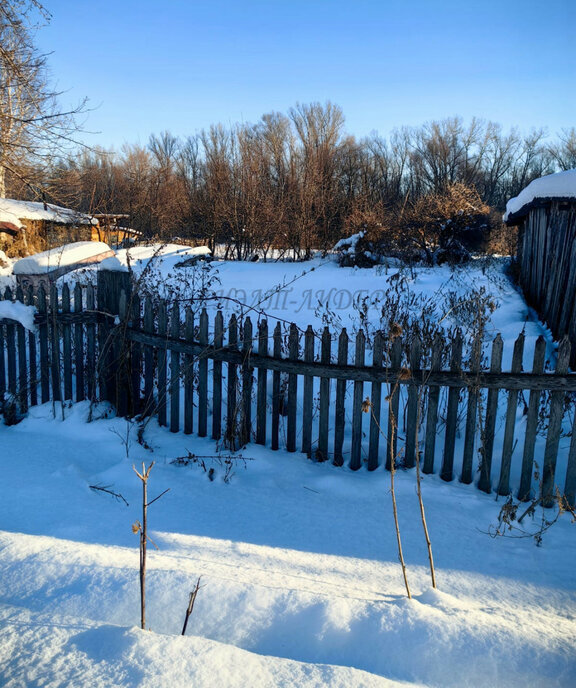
29	227
545	214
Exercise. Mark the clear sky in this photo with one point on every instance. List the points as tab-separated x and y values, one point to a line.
181	65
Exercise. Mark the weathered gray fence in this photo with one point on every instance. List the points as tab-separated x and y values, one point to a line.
348	401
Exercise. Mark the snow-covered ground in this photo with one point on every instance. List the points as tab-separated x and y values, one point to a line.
298	560
301	583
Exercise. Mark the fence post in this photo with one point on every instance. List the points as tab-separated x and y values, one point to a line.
113	358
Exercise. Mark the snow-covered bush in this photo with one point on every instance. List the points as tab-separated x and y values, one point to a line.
447	226
355	250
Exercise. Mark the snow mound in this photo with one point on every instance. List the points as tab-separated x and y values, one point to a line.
113	265
14	211
559	185
349	243
19	312
62	256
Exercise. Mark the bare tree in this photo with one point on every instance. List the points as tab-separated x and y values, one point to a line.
564	150
33	127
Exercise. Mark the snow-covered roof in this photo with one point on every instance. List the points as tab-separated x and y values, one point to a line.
63	256
15	211
559	185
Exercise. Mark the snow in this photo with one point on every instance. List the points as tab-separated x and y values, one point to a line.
6	277
19	312
164	257
349	243
13	211
300	575
113	264
301	583
559	185
319	292
62	256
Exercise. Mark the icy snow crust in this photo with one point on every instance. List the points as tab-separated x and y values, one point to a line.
559	185
13	211
70	254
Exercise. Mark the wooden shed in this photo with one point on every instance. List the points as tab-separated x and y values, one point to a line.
545	214
28	226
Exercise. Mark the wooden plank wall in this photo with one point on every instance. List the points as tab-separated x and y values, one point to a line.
547	262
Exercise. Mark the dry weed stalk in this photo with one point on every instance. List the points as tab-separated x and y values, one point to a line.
142	529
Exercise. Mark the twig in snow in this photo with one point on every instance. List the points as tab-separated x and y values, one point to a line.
106	488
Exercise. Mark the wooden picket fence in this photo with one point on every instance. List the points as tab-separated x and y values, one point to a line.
350	402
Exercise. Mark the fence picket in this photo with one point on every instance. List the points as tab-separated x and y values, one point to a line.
447	470
79	345
276	391
375	405
323	423
149	363
570	481
490	424
432	410
413	411
231	409
162	379
471	413
90	346
2	362
66	343
217	378
247	371
203	376
308	396
356	449
189	376
554	426
531	423
293	352
395	356
120	360
32	364
55	344
11	348
135	357
508	443
174	370
340	414
22	363
261	393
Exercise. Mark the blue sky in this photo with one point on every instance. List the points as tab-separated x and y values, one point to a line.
182	65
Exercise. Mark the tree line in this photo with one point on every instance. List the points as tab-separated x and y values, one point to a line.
294	181
297	181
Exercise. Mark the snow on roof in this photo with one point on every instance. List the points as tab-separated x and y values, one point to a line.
559	185
14	211
55	258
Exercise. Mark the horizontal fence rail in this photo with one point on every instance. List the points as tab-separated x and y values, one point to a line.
352	400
